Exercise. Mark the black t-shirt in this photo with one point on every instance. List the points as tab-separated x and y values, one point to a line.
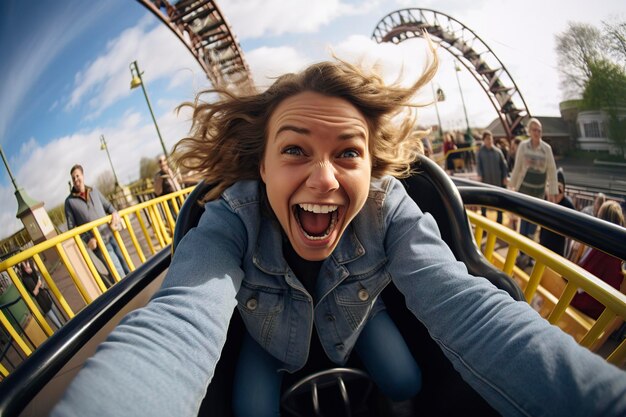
42	297
306	271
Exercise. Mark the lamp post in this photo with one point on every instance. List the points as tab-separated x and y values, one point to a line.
137	81
104	147
469	131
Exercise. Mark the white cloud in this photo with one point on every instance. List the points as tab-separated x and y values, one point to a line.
267	63
523	38
107	78
256	18
130	140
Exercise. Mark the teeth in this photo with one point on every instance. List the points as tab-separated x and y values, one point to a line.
318	208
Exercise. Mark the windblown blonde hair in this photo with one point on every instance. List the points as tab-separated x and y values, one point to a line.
227	137
611	212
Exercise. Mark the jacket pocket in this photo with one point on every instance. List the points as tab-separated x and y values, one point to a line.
356	295
260	308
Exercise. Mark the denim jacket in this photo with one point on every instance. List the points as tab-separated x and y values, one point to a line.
277	310
160	358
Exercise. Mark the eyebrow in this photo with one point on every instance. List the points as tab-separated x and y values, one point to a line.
300	130
305	131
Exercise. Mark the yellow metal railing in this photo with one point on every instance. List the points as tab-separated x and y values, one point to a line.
441	158
573	278
147	228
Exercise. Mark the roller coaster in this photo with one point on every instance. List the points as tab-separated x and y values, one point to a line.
39	362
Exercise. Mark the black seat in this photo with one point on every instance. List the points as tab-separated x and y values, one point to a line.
443	392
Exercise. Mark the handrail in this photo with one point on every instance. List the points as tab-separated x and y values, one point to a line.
594	232
155	219
577	277
48	244
591	231
439	159
40	367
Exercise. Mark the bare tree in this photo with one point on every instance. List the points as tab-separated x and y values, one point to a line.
577	48
105	183
147	168
615	38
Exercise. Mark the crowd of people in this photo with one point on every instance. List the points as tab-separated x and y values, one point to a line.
529	167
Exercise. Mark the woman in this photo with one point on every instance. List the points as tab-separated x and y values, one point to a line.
449	145
33	283
606	267
305	226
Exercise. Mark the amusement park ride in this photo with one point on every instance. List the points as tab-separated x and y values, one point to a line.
319	389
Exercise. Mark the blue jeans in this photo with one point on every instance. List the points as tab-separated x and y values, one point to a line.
116	258
380	346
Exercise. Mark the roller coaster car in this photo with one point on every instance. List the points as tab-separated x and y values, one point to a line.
322	389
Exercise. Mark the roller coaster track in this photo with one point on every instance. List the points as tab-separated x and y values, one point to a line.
469	50
203	28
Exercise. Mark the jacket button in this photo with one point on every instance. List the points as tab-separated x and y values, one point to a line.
252	304
339	346
363	294
330	317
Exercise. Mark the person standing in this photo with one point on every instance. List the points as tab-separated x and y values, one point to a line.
86	204
33	283
534	169
510	160
449	145
166	180
606	267
491	167
592	209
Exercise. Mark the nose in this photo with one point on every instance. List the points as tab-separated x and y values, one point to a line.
322	177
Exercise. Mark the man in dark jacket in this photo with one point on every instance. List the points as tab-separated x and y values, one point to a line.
86	204
491	166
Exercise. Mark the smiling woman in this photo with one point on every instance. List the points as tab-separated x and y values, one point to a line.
316	170
305	227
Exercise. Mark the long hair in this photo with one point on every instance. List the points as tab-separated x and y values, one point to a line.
611	212
227	139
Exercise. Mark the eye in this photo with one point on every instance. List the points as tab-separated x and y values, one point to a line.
350	153
292	150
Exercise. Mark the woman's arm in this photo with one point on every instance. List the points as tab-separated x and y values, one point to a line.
160	358
520	363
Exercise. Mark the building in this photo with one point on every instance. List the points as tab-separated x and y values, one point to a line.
586	130
556	132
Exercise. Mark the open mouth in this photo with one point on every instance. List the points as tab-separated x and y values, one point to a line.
317	221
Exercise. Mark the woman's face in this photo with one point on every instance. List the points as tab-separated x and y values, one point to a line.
317	170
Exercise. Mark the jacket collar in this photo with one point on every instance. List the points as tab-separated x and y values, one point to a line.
272	261
75	193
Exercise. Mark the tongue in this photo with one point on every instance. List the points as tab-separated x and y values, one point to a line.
314	224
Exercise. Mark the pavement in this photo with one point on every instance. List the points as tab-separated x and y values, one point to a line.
596	177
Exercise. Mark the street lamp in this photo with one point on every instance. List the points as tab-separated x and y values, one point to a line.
104	147
137	81
469	131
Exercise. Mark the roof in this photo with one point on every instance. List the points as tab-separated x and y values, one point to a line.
552	126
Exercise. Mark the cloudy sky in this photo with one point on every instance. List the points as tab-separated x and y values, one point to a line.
65	72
